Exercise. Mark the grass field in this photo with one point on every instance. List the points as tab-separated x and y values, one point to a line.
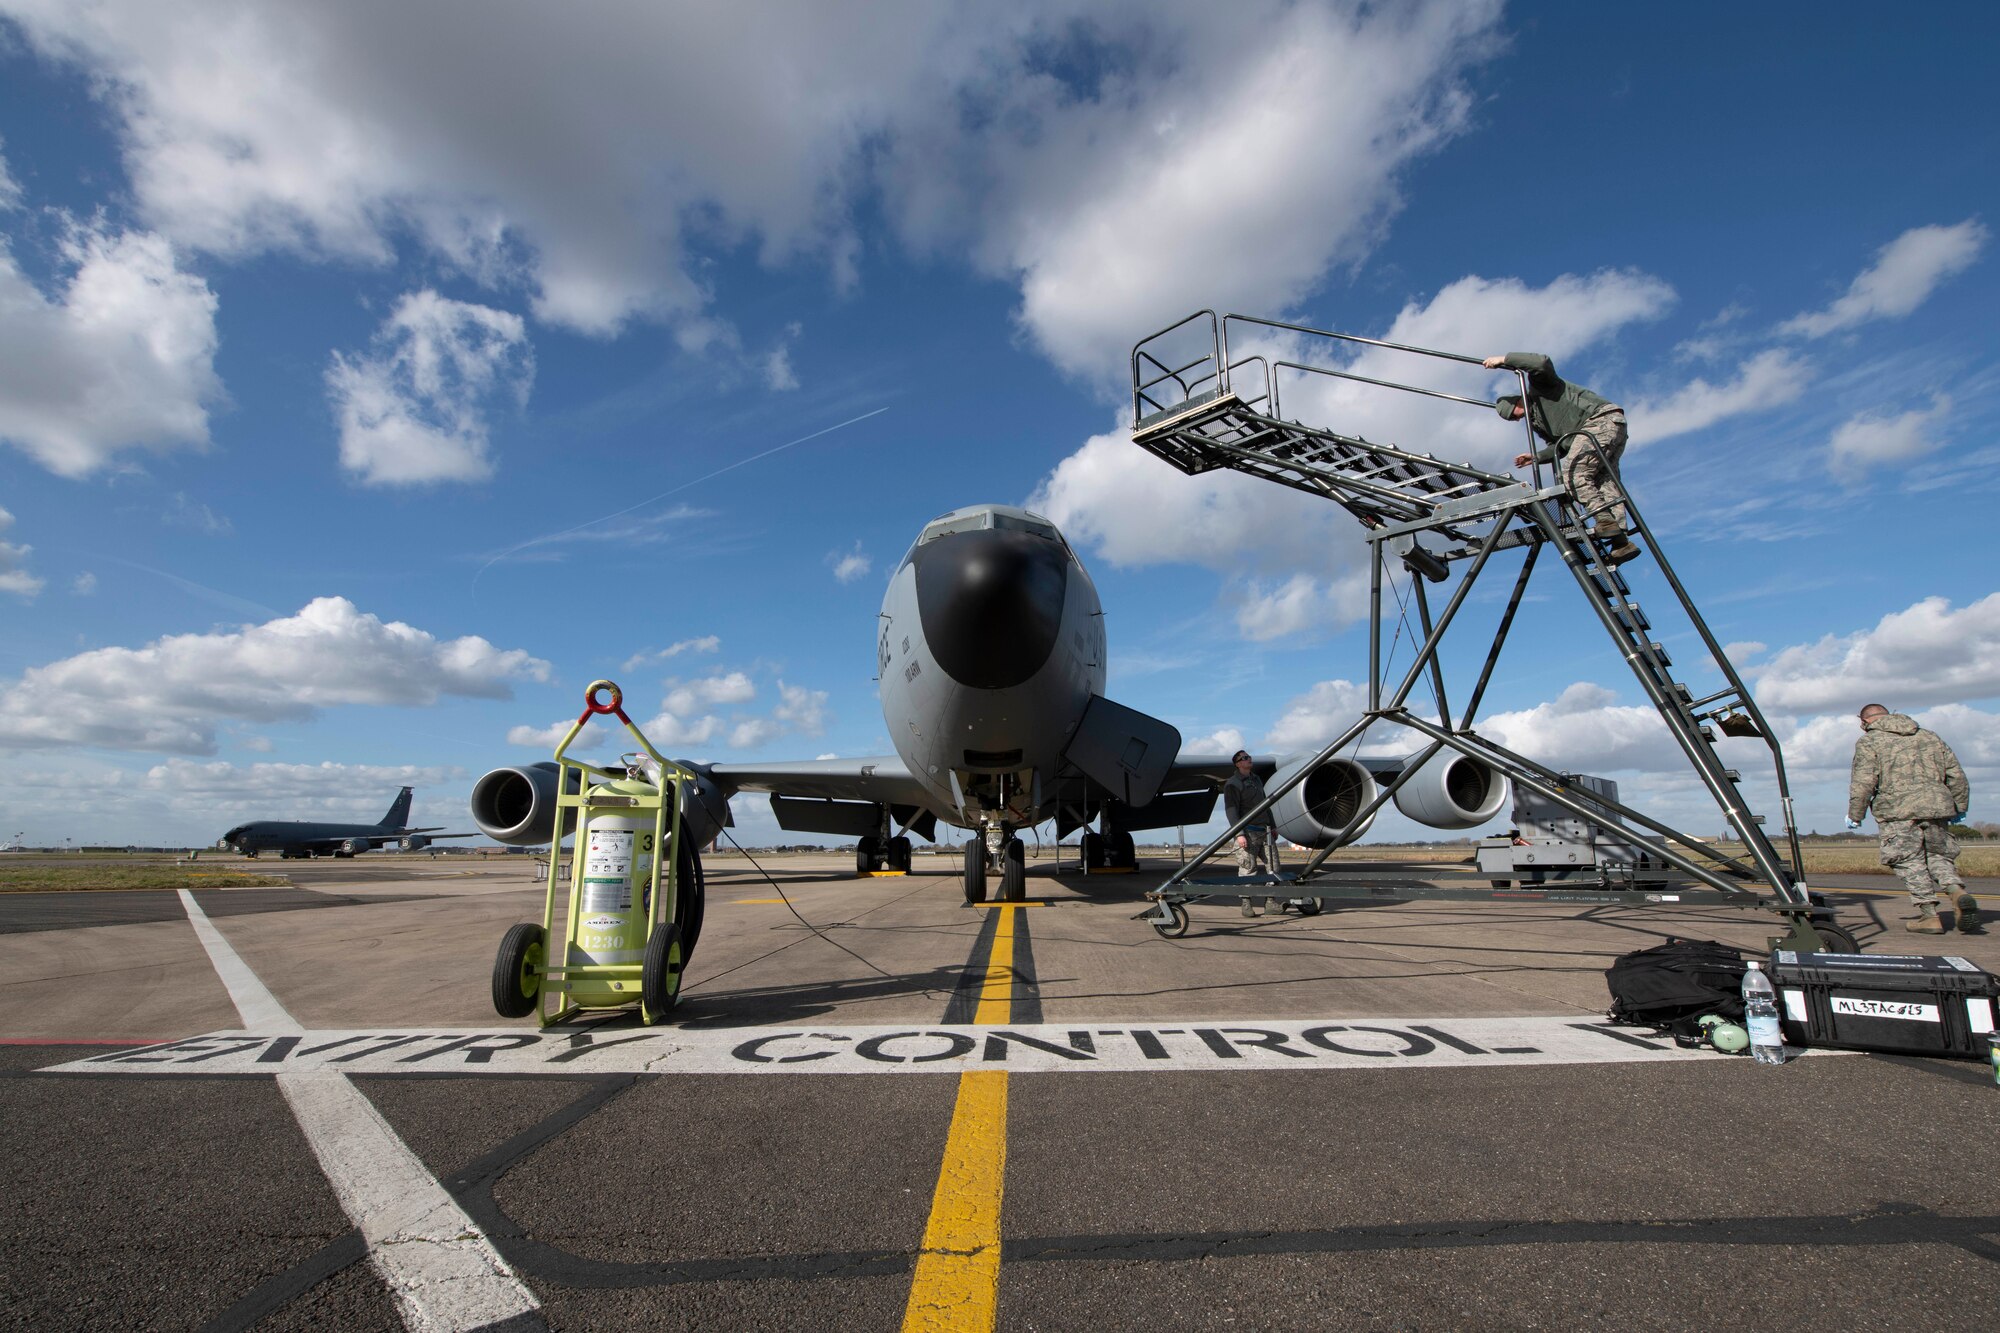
35	877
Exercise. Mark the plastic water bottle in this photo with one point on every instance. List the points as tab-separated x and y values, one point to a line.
1760	1015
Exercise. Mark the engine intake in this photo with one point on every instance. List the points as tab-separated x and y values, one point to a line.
1316	812
1452	791
517	806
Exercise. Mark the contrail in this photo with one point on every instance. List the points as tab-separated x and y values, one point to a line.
676	490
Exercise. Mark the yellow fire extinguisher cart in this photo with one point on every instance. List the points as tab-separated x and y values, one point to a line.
623	921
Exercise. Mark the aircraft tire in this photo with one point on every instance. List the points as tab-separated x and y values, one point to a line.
975	871
1119	849
899	854
1014	872
1091	848
1179	926
517	981
660	975
867	857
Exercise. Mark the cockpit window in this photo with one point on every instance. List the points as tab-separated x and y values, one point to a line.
981	520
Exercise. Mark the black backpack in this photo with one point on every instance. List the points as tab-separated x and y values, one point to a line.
1669	986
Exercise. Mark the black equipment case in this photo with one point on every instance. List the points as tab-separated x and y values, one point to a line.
1885	1002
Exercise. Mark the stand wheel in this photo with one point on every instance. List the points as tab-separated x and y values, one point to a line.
517	971
975	871
660	975
1837	939
1310	907
1013	872
1178	927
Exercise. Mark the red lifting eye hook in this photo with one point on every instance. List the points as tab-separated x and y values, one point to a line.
591	705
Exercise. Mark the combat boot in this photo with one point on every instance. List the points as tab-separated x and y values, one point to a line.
1968	915
1925	922
1618	546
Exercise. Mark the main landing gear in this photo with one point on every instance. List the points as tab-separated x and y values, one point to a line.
1110	850
874	854
1013	858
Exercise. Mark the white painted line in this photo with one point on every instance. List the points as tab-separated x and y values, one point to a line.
1210	1046
259	1008
439	1267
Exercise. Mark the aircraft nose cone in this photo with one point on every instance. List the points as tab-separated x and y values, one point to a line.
991	603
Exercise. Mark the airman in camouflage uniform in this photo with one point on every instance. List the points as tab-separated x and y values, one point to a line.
1561	414
1913	781
1241	794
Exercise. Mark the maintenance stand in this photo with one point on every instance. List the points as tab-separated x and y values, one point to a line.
1201	409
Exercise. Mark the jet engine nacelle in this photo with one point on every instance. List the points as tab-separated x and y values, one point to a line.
1453	791
1315	813
350	846
415	843
517	806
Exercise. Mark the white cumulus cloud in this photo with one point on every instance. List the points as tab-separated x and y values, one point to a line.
172	695
1925	654
1869	441
1905	272
1769	379
14	574
707	643
122	357
849	565
413	410
1103	143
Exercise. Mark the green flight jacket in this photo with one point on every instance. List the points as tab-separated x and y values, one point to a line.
1555	406
1905	772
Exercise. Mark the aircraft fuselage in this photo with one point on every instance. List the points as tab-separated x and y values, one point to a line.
990	645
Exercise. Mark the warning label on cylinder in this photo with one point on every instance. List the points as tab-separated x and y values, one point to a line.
608	855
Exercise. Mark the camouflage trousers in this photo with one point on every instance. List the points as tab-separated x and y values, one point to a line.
1592	474
1924	853
1254	852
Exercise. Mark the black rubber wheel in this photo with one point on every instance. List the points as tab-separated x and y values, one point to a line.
1120	850
517	970
660	975
975	871
867	855
899	854
1013	872
1091	848
1837	939
1179	926
1310	907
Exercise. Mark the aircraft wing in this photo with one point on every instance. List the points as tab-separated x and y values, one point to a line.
884	779
837	796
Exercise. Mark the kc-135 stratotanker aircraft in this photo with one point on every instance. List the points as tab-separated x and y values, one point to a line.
306	838
991	648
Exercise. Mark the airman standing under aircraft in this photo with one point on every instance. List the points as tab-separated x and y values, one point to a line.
1243	793
1559	413
1918	790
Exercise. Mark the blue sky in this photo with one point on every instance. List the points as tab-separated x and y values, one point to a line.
372	378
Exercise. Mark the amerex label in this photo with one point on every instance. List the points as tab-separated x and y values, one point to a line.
1903	1009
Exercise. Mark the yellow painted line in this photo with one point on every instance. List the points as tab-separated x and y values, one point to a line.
957	1282
996	906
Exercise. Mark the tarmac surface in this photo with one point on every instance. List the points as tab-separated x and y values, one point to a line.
874	1109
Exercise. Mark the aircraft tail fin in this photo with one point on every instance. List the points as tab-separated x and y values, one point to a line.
399	810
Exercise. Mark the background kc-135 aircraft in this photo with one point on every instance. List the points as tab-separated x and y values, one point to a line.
301	838
992	657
